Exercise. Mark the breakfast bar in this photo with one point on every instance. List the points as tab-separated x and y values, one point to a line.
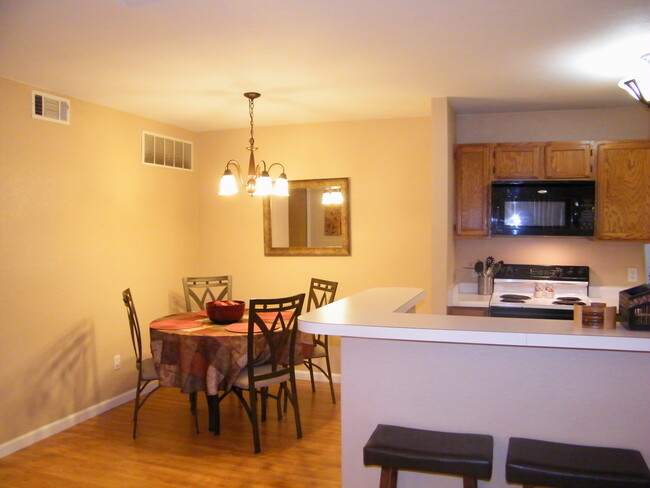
506	377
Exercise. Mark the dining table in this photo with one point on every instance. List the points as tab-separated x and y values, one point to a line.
194	354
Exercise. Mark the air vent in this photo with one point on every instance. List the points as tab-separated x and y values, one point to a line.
50	107
164	151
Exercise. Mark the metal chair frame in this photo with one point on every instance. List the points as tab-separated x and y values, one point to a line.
198	290
201	289
321	292
145	379
275	364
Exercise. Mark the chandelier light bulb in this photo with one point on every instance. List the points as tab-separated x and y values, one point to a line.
281	186
228	184
263	185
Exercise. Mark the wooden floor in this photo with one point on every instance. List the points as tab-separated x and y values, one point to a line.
100	452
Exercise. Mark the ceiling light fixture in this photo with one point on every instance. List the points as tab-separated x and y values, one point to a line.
639	86
259	182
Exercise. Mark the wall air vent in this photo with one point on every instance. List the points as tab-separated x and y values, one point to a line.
164	151
50	107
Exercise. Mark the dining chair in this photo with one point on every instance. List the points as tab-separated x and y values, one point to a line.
202	289
270	361
321	292
146	370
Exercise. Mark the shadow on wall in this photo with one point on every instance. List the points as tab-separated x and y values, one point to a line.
176	302
63	379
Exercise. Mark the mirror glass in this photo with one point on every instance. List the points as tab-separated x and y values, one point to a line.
302	225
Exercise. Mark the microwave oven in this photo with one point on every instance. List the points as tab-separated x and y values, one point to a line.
543	208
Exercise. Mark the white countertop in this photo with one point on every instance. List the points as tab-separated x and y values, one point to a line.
378	313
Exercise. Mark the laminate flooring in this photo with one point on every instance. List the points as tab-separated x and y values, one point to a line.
100	453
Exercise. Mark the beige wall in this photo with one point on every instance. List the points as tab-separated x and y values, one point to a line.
608	260
389	166
81	219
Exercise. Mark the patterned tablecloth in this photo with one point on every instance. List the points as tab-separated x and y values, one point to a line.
194	354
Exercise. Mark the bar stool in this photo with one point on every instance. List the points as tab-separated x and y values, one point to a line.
394	448
533	463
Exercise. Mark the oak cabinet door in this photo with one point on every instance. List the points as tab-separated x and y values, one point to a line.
623	191
568	160
472	173
518	162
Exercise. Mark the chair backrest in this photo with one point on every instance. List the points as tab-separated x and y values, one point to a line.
202	289
277	318
134	325
321	292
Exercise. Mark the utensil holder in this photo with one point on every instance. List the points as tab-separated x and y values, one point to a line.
485	285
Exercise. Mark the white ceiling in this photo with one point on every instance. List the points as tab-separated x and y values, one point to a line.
188	62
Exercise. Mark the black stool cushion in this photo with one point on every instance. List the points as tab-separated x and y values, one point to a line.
430	451
544	463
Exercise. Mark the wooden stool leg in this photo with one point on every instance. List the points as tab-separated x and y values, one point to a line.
469	482
388	477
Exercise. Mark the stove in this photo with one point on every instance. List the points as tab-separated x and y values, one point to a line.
542	292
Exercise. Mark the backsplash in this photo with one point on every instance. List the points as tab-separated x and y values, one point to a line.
608	261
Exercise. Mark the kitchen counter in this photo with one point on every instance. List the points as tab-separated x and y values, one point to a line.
504	377
465	295
374	313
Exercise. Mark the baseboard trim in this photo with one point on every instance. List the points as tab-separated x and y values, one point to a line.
71	420
60	425
318	376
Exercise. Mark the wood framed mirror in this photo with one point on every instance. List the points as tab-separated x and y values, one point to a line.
301	225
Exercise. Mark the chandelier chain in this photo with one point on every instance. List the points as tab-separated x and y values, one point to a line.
250	113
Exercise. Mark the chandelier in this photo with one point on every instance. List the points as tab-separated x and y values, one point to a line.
258	180
639	87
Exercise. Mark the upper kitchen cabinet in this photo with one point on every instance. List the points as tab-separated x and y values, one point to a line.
472	172
623	191
551	161
517	161
568	160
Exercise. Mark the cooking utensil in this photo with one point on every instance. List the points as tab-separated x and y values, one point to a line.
478	268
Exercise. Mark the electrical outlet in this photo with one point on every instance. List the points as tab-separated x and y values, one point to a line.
117	362
632	275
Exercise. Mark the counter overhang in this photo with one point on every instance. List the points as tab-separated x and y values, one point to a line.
379	313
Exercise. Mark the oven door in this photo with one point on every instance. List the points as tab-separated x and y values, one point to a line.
531	313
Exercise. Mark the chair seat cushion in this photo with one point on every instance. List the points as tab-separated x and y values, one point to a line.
319	352
560	465
242	380
430	451
148	370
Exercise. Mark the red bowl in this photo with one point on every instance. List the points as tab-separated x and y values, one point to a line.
225	311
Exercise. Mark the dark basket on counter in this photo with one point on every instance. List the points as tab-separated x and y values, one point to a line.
634	307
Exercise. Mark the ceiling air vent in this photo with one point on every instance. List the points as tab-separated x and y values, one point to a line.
50	107
167	152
